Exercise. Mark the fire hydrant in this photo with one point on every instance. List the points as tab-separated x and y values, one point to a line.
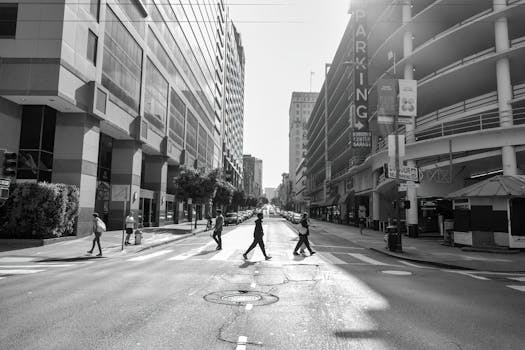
138	236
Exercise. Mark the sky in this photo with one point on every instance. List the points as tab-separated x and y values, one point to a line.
284	40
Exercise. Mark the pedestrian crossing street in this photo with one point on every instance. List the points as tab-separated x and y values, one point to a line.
16	265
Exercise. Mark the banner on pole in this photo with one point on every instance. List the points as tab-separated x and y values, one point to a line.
387	95
407	97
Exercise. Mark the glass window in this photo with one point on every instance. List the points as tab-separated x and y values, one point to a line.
177	113
8	17
92	47
94	6
122	62
156	97
135	15
191	134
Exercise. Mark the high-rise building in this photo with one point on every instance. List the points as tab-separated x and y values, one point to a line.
98	94
233	106
468	123
252	179
301	106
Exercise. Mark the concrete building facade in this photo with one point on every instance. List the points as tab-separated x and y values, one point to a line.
106	94
469	123
252	179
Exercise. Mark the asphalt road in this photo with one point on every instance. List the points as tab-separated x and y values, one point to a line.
344	297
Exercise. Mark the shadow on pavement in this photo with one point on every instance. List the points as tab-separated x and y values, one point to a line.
246	264
78	258
359	334
206	252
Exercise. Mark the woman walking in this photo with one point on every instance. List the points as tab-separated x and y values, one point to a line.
304	231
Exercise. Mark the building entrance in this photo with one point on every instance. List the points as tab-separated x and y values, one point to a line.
147	208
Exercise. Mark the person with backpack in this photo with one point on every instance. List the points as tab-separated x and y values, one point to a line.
304	231
98	228
258	234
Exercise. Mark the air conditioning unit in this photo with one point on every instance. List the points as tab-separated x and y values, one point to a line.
99	97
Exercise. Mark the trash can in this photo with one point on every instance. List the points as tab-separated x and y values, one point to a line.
392	239
138	237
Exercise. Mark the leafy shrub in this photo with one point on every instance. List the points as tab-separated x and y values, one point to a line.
39	210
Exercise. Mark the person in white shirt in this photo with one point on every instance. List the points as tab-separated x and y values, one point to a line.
130	225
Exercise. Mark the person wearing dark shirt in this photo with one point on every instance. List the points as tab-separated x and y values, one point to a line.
258	234
217	232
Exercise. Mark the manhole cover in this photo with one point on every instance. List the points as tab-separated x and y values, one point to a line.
241	297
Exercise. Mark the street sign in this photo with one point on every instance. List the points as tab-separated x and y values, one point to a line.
361	139
405	173
388	119
407	97
120	193
387	95
4	188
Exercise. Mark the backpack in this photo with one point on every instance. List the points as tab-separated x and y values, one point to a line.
101	226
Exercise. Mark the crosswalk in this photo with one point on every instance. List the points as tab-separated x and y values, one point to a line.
16	265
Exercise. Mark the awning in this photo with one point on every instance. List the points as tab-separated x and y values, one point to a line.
497	186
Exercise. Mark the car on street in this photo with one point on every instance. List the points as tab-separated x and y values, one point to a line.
232	218
296	218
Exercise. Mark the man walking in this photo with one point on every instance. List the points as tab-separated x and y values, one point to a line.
258	234
98	228
304	231
217	231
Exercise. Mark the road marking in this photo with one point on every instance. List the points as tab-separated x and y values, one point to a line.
366	259
337	246
519	279
223	255
253	285
241	343
332	259
470	274
191	253
1	278
150	256
249	307
520	288
397	273
33	266
16	259
18	272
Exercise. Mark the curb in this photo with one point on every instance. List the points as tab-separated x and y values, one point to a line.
435	263
175	239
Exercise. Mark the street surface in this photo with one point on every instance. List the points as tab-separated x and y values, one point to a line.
344	297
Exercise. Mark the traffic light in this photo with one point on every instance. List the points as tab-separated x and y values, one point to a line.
10	164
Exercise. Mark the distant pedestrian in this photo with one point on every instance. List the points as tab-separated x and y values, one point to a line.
217	231
362	218
258	234
130	225
304	231
98	228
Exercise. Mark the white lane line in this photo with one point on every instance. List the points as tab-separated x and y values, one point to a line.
18	272
223	255
414	265
249	307
241	343
150	256
332	259
253	285
1	278
520	288
33	266
470	274
338	246
366	259
519	279
9	259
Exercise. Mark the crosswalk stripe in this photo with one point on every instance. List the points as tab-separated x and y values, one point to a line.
18	272
223	255
191	253
33	266
150	256
519	279
366	259
520	288
16	259
332	259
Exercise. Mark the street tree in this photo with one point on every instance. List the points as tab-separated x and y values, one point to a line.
223	195
263	200
238	199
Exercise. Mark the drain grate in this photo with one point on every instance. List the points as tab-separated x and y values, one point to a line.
241	297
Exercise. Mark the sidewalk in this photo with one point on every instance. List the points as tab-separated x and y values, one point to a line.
111	242
425	250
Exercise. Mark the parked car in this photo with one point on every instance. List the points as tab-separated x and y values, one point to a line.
232	218
296	218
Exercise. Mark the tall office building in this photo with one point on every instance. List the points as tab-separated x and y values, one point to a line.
102	93
252	179
468	123
233	106
301	106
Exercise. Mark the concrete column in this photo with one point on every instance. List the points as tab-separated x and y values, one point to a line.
375	201
75	161
504	87
408	73
155	179
126	165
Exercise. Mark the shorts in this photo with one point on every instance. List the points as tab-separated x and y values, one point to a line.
98	234
129	230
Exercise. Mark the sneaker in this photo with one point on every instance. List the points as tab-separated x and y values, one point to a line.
312	253
245	257
295	253
218	248
99	254
90	252
267	258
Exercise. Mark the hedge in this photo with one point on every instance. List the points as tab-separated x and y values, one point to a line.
39	210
